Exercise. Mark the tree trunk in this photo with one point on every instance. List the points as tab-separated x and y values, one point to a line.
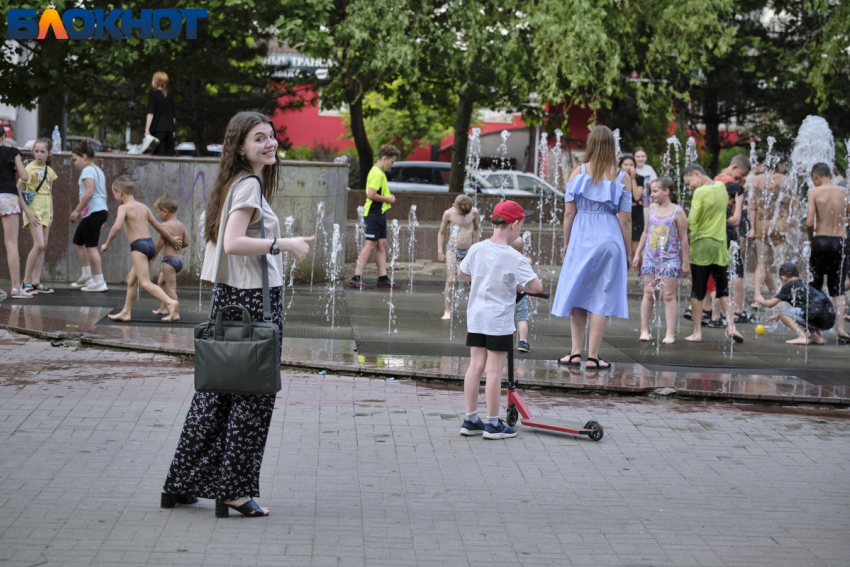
712	126
461	143
354	90
51	104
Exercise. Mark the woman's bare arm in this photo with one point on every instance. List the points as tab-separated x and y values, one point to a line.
625	218
21	170
236	243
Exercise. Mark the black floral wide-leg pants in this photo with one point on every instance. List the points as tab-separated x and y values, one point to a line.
221	447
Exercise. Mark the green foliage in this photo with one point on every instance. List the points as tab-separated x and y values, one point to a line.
108	81
300	153
829	54
388	121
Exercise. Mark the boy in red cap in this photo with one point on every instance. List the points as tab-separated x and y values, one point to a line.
498	273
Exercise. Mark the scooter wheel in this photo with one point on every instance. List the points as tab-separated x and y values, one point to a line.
596	430
512	416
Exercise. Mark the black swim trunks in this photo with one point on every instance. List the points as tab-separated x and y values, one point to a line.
174	262
145	246
826	262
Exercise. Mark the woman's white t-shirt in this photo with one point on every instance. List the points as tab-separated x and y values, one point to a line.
244	272
496	269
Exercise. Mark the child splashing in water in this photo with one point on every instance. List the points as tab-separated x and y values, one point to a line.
663	251
463	215
172	258
135	217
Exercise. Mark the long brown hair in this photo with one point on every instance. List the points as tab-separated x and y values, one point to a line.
600	152
231	167
84	149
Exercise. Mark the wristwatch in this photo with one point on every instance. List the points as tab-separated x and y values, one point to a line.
274	250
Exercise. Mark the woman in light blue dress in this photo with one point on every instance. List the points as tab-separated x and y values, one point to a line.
597	255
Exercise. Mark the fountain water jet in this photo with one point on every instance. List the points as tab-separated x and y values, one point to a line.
411	243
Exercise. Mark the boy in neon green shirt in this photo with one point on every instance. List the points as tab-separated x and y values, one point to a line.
378	202
709	253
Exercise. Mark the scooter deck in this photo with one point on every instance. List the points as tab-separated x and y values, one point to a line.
576	430
515	402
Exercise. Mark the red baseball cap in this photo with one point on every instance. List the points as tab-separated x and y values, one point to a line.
511	211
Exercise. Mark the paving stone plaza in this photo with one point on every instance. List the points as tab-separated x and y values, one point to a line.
362	470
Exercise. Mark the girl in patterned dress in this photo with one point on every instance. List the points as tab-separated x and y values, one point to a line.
221	447
663	253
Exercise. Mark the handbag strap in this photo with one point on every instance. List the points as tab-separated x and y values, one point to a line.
267	310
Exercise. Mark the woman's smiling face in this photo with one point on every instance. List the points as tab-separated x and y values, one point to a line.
260	146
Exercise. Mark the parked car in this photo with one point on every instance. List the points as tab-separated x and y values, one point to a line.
433	176
519	180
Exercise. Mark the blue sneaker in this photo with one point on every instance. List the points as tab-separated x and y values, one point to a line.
470	428
498	431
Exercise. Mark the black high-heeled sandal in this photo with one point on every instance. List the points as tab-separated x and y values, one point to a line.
570	361
249	509
599	364
171	499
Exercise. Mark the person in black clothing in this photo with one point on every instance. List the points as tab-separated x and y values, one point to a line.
627	164
161	117
808	309
11	167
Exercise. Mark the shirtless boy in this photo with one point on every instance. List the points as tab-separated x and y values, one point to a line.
463	215
738	169
773	209
134	217
826	222
172	258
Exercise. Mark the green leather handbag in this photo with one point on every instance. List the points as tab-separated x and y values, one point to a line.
239	357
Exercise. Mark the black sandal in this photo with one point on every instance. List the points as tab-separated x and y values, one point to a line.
171	499
599	364
41	288
249	509
570	361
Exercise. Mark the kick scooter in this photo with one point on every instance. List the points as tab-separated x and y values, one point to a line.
516	407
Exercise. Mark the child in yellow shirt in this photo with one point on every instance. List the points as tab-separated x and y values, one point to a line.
37	206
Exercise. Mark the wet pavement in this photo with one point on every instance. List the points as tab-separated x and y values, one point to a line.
342	329
363	471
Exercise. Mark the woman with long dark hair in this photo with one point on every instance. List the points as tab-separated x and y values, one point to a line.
161	117
597	251
627	164
221	447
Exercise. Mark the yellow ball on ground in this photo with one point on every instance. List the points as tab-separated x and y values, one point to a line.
759	329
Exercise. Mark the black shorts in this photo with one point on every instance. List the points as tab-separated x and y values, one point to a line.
376	227
496	343
699	278
826	262
88	231
637	222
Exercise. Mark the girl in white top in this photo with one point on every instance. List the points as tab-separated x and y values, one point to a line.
203	465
